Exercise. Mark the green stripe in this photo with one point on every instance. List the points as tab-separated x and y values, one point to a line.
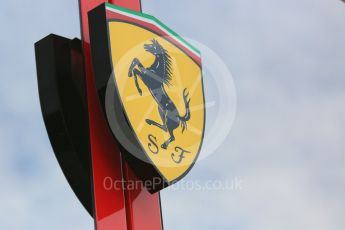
147	16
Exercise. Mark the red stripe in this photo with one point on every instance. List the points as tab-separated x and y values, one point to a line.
114	15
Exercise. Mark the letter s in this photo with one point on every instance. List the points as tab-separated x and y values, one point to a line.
153	144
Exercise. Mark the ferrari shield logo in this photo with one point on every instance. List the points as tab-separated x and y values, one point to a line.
149	82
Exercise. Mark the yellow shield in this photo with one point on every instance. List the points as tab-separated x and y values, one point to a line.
158	80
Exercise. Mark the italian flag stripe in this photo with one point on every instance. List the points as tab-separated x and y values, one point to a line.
154	21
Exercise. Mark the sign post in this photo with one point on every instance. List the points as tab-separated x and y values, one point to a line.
124	110
127	209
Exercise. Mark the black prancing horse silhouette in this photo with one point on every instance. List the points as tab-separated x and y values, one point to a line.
155	77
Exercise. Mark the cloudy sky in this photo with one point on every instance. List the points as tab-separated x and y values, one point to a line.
286	146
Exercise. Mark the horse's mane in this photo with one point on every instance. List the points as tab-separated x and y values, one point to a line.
167	74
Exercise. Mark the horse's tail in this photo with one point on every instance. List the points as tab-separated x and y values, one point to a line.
187	116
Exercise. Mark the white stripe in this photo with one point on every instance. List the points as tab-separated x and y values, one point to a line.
150	21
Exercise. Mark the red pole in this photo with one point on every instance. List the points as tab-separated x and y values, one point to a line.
114	208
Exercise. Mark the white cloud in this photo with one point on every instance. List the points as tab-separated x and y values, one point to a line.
287	144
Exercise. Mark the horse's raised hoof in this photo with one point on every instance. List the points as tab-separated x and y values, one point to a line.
164	146
149	122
